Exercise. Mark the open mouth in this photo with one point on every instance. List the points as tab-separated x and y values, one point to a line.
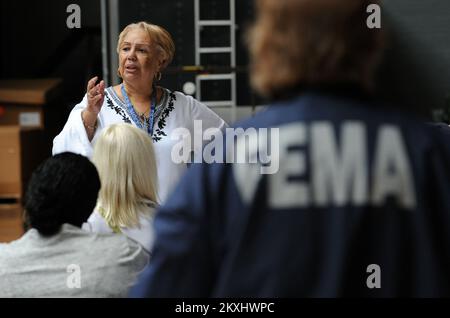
131	68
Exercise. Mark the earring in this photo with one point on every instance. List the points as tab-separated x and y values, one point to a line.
158	76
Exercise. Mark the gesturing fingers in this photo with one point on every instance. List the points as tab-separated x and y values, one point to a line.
95	90
91	83
100	88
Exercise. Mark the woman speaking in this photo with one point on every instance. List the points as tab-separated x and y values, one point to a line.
144	51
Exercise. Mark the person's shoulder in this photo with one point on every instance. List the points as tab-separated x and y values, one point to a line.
132	253
75	237
14	251
119	245
5	248
440	134
96	223
267	117
310	108
273	114
12	244
179	97
441	127
93	240
114	247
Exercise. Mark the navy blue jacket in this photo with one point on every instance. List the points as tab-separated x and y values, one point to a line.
360	206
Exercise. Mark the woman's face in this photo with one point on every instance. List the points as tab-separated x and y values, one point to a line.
138	58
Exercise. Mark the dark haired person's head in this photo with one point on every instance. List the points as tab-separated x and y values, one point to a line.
302	43
63	189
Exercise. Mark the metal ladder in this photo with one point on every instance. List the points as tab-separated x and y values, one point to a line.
231	23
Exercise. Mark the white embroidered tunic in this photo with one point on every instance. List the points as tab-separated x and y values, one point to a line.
175	110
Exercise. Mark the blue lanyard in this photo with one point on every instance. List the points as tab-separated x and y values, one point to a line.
133	113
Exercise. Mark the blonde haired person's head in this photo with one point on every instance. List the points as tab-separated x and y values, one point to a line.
158	36
125	159
296	43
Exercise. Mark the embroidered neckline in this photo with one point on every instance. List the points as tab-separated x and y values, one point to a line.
119	110
159	107
159	133
163	109
141	121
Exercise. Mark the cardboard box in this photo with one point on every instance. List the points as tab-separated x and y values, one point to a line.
21	151
23	102
10	162
11	222
24	116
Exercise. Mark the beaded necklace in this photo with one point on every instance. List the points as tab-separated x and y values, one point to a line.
140	119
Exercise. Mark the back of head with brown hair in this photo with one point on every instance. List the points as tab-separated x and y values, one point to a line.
297	43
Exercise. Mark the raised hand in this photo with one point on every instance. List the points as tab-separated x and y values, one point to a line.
95	95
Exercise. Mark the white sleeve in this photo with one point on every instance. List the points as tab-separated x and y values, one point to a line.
73	137
209	119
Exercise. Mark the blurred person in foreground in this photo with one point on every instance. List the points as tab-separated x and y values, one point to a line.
56	258
360	202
